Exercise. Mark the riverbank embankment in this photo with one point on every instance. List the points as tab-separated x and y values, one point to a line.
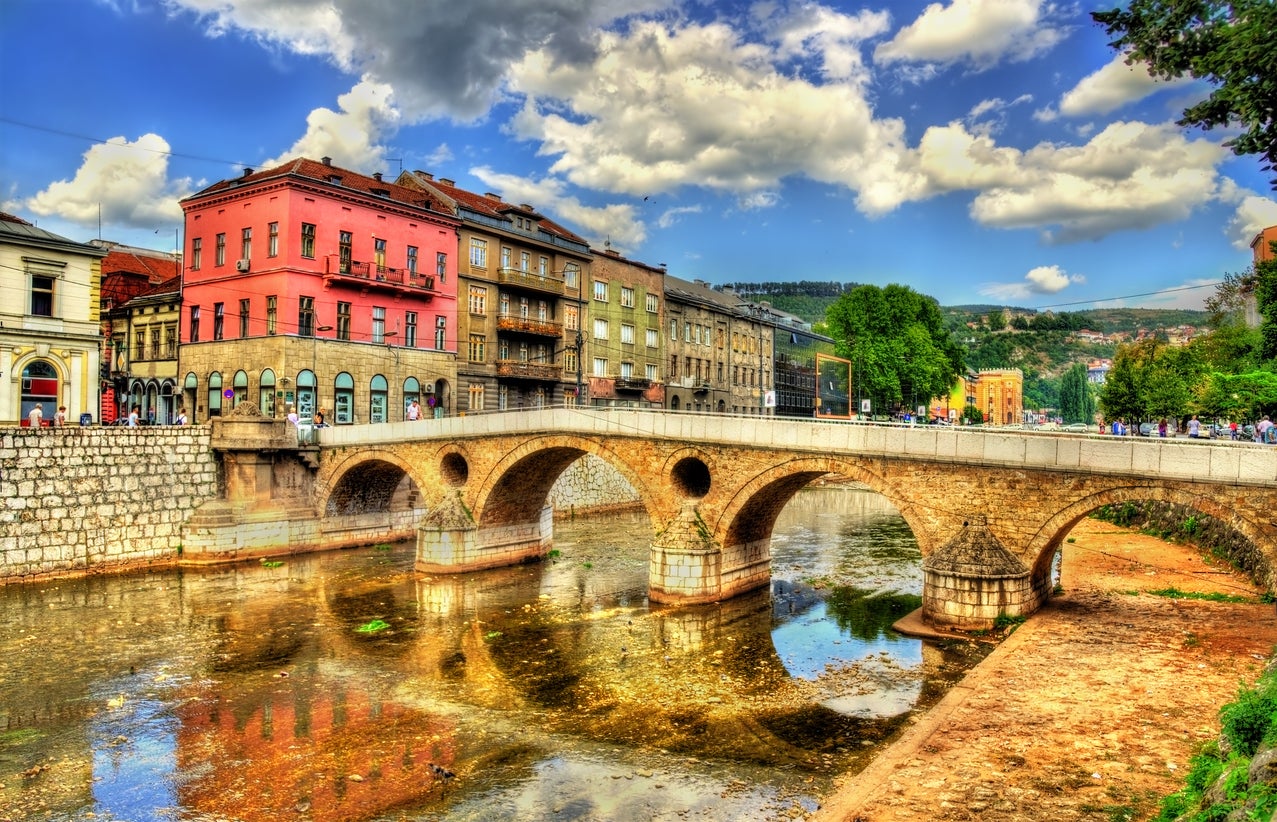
1089	710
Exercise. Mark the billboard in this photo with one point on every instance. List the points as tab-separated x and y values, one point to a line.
833	387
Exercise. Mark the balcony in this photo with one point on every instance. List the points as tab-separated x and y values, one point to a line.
369	276
527	325
519	278
518	369
632	384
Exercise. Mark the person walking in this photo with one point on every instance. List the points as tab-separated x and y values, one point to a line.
60	418
35	419
181	417
1194	427
132	421
414	410
292	417
1161	427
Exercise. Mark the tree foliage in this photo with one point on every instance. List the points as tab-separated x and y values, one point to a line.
1232	45
1077	403
897	343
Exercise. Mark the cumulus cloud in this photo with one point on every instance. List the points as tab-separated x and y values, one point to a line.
350	135
443	58
123	184
616	222
1112	86
981	33
1128	176
664	107
1254	212
1042	280
671	216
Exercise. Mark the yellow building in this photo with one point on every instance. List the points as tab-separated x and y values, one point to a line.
999	393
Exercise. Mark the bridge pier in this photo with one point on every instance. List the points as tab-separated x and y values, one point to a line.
973	579
686	566
449	541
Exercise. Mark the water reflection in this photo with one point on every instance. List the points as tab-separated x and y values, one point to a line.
547	690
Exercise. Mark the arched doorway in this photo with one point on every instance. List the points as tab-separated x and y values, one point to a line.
39	385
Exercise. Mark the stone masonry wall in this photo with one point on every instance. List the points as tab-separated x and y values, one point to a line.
591	486
81	499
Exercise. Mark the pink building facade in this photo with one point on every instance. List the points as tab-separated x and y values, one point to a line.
312	286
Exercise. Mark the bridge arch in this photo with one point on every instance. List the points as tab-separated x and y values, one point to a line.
1041	548
515	488
369	481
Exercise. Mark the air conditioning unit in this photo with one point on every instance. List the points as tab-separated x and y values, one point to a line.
241	265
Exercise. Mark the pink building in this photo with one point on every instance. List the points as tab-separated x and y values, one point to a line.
318	287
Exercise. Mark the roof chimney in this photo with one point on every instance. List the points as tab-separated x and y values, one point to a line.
247	171
427	175
376	175
328	161
447	182
492	196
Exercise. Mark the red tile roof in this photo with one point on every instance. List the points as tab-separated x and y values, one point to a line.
493	206
324	172
156	269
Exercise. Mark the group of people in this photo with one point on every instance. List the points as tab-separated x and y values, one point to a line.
36	416
317	420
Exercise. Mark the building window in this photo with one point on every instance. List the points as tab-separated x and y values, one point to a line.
600	366
170	341
195	324
272	240
41	295
412	260
653	339
652	305
571	317
505	256
246	244
673	330
308	240
243	318
266	392
272	303
600	290
441	332
523	308
503	304
600	328
627	370
378	324
378	394
197	252
215	394
139	343
410	329
344	243
503	397
474	397
221	250
476	348
344	399
572	275
543	310
219	318
543	266
478	299
569	360
627	334
441	266
651	372
239	384
627	297
478	253
343	321
306	316
525	260
379	253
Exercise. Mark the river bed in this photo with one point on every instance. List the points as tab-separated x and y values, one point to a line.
344	686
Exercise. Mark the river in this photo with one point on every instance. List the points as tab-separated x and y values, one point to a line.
344	686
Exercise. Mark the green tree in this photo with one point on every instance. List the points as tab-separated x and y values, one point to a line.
1239	396
973	415
1232	45
1077	403
897	343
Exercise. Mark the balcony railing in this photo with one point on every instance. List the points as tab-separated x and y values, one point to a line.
528	370
528	325
632	383
526	279
373	273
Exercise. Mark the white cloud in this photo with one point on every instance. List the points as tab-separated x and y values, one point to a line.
1042	280
980	32
671	216
1111	87
123	184
1253	214
617	223
349	136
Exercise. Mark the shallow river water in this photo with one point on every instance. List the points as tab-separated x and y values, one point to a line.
343	686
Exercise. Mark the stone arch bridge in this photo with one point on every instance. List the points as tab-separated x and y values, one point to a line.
989	507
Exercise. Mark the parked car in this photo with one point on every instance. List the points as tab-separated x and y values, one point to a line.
1148	429
1077	428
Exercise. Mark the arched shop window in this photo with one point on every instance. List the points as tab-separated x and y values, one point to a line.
411	391
306	398
267	384
215	394
39	385
241	388
344	399
378	390
191	391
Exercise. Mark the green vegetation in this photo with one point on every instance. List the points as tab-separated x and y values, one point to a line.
373	627
1007	623
1218	784
382	546
271	563
1214	596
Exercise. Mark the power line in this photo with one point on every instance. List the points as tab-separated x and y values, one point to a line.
1212	284
100	141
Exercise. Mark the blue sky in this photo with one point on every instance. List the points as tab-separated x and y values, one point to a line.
980	151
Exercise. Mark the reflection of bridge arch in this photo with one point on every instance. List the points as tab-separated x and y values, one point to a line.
1041	549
